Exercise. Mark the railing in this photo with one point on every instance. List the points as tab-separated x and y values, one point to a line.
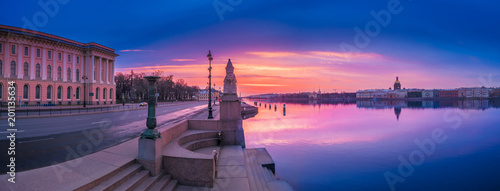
41	111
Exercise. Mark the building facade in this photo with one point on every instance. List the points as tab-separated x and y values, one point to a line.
448	93
203	95
474	92
48	69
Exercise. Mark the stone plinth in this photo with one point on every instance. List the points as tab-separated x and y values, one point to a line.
230	123
150	155
230	107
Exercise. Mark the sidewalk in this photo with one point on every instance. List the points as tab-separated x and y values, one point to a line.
73	174
57	111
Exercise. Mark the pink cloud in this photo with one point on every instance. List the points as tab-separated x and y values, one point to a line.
183	60
136	50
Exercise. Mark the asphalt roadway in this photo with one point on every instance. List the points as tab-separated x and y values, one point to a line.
46	141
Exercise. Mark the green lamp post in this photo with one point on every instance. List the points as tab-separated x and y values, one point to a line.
151	133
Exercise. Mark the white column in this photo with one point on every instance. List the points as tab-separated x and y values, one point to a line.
20	62
100	71
54	63
107	71
44	64
92	68
73	69
113	72
32	64
64	73
7	61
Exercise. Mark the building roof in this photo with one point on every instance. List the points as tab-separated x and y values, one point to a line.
27	32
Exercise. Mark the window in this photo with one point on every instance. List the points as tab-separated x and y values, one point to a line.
59	56
49	71
69	93
104	93
97	93
68	74
26	69
78	93
77	75
13	68
38	91
1	91
1	48
59	92
13	49
78	60
59	73
1	67
95	76
111	94
26	92
49	54
37	73
26	51
38	53
49	92
69	58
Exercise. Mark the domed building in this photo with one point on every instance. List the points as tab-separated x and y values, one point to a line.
397	84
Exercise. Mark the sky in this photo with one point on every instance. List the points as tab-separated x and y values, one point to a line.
285	46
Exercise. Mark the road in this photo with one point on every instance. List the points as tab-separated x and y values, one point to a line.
45	141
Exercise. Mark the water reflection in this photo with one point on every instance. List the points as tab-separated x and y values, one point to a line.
349	145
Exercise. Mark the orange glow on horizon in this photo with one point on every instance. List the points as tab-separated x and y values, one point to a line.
291	72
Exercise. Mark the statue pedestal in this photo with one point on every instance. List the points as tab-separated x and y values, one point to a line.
231	124
150	155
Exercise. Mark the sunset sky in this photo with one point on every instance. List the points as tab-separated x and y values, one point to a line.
287	46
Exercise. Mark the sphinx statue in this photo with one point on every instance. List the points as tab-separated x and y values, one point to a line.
230	80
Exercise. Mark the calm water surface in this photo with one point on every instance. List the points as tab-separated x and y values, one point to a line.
359	146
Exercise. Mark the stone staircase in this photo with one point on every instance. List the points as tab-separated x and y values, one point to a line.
261	178
133	177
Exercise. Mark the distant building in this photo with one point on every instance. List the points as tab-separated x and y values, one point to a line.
203	95
430	93
496	92
363	94
397	84
414	93
380	94
474	92
448	93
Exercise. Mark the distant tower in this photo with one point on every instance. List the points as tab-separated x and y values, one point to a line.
397	85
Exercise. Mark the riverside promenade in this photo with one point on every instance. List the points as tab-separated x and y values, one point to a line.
116	168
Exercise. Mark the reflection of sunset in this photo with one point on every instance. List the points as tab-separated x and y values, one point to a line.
333	124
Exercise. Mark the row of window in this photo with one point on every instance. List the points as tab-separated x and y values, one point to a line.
38	71
69	92
39	53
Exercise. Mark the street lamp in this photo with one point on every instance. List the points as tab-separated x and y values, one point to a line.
151	133
84	88
209	56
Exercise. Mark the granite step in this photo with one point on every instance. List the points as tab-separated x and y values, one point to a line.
171	186
134	181
112	173
260	176
251	179
149	182
118	179
162	183
200	143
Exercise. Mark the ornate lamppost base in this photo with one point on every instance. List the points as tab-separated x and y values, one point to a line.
150	134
